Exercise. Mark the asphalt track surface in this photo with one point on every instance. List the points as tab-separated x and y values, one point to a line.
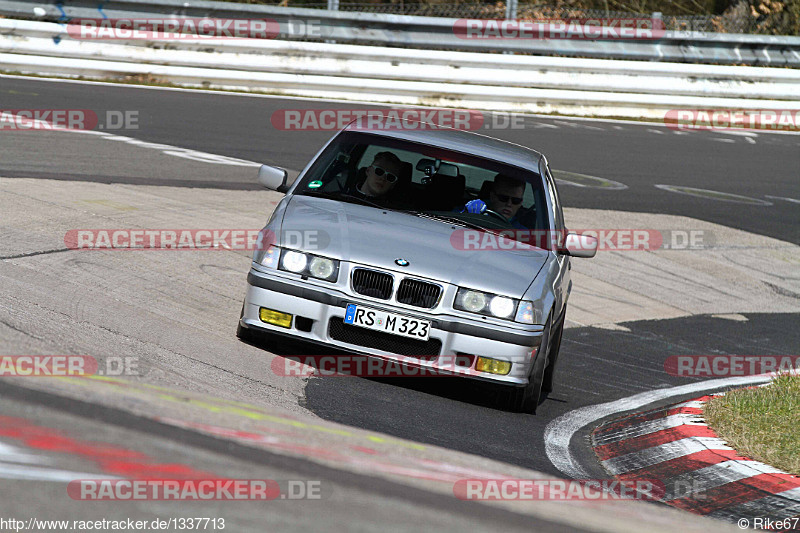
347	502
597	365
637	155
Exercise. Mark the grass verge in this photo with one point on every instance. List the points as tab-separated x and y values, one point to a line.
761	423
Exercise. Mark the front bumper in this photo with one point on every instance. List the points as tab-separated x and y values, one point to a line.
318	305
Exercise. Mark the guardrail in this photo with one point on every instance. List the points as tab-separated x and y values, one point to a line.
514	83
434	33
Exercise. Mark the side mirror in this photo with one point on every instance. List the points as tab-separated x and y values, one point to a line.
273	178
578	245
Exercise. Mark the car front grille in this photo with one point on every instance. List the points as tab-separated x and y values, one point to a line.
418	293
372	283
386	342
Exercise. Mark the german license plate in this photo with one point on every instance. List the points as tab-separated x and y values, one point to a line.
404	326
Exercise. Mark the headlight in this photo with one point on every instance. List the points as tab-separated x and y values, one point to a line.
501	307
473	301
484	303
309	265
321	267
294	261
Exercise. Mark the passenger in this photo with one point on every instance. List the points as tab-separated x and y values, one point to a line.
505	198
381	177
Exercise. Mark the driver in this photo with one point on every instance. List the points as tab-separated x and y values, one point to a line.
505	198
381	177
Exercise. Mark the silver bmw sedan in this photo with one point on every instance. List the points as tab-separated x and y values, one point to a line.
431	248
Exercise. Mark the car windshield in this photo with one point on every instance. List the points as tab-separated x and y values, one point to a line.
429	181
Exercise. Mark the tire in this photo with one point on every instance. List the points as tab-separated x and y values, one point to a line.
526	399
552	357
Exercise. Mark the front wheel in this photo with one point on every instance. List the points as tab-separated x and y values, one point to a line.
526	399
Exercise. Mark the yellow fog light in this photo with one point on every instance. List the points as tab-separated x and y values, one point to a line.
493	366
275	317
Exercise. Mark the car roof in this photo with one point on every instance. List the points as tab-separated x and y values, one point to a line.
457	140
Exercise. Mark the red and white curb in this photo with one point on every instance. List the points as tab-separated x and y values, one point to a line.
699	471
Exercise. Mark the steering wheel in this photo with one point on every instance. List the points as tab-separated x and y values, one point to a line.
495	214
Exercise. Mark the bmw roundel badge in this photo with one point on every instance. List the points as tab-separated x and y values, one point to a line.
401	262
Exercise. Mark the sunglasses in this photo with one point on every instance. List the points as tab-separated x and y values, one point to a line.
388	176
505	198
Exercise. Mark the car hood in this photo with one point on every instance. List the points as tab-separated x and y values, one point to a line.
377	237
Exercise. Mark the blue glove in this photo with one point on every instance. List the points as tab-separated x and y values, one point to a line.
475	206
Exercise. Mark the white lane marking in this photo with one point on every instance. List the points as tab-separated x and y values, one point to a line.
713	476
663	452
721	140
750	140
13	454
584	180
651	130
650	426
537	125
45	474
16	464
738	133
194	155
785	199
736	317
559	432
712	195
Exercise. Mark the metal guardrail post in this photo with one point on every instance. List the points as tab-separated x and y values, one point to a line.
511	9
333	5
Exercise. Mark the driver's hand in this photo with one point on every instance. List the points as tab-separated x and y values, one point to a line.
475	206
